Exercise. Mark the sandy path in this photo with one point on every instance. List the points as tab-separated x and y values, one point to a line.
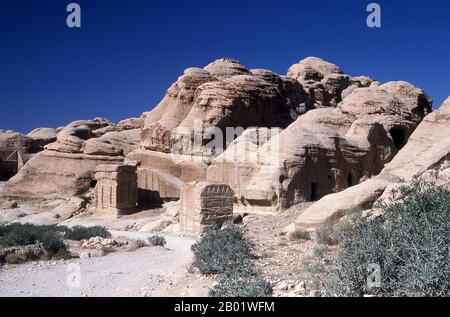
150	271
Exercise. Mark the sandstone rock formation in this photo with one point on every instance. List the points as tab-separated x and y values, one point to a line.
203	204
325	82
66	167
223	94
161	177
294	138
427	155
327	150
43	136
116	189
15	150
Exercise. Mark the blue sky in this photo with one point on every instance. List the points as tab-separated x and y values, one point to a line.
127	53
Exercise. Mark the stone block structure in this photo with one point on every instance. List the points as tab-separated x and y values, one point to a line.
116	189
203	204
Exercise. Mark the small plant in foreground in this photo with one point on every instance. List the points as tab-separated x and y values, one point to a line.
229	252
300	234
409	241
53	243
79	233
241	282
157	241
220	249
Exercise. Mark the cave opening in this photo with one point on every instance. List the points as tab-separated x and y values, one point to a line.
6	176
350	179
399	137
314	195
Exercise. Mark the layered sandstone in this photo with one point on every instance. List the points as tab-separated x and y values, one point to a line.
203	204
116	189
326	150
66	167
427	155
223	94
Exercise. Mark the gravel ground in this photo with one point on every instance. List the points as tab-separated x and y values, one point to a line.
282	261
149	271
156	271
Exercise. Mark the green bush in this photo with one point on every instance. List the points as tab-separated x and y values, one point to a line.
220	249
241	282
229	252
85	233
157	241
409	241
27	234
17	234
327	234
300	235
14	258
53	243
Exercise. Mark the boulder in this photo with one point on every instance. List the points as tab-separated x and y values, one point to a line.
425	155
43	136
325	83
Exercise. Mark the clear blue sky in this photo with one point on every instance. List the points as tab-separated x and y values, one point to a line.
127	53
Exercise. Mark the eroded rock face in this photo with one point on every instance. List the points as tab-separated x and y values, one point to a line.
43	136
203	204
327	150
15	150
16	141
66	167
426	155
116	189
325	82
71	138
223	94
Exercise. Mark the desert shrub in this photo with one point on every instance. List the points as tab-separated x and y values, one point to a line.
14	258
320	251
79	233
326	234
17	234
329	233
27	234
53	243
243	281
157	241
409	240
300	234
228	251
220	249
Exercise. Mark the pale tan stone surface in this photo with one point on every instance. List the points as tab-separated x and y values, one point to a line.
223	94
43	136
66	167
428	149
116	189
202	204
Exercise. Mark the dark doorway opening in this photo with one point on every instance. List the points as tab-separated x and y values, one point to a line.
314	195
350	179
6	176
93	183
399	138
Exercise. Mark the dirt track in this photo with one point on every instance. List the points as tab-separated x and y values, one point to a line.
150	271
